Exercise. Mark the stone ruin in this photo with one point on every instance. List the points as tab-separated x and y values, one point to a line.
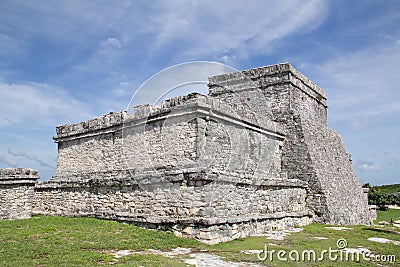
254	155
17	193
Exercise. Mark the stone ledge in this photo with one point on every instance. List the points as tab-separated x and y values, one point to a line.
105	121
18	176
17	172
206	230
211	109
192	104
127	178
19	182
143	218
275	74
124	216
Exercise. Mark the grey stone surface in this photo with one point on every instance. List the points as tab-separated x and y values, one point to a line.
311	151
254	154
16	192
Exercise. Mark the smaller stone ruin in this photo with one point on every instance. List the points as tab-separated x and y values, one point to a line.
16	193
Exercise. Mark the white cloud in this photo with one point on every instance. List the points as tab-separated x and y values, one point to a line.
362	87
61	20
217	29
102	41
162	82
42	105
114	42
29	114
30	156
366	166
360	122
220	28
8	161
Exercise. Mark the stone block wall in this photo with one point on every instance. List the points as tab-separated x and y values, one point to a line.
17	192
90	146
186	132
343	198
201	204
300	107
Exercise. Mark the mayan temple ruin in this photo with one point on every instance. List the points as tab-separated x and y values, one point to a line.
253	155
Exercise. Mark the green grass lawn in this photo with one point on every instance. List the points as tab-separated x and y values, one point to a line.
388	216
61	241
305	240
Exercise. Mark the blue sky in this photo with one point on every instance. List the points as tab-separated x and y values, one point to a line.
68	61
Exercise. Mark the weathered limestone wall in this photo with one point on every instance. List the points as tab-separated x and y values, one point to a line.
332	165
202	195
187	132
17	192
311	152
94	145
200	204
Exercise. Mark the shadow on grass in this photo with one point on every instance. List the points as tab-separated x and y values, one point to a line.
381	230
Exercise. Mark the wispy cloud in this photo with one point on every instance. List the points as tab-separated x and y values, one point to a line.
8	161
39	104
367	166
193	29
226	29
162	82
124	40
61	20
360	86
362	122
30	156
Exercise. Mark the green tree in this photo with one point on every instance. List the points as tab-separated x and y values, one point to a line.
379	199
